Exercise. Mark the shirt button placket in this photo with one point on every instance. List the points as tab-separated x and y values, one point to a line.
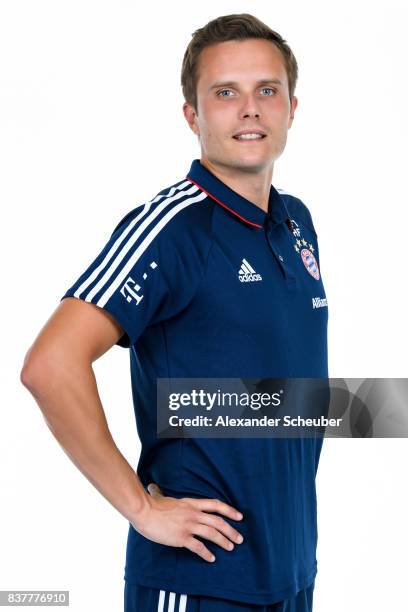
288	274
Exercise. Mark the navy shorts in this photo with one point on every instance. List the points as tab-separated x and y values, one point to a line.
139	598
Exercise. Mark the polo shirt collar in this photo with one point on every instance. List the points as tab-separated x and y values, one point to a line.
238	205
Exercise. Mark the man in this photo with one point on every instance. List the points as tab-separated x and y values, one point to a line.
216	276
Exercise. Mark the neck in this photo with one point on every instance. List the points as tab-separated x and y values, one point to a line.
255	187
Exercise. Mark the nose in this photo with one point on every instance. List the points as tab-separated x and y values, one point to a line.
250	114
250	107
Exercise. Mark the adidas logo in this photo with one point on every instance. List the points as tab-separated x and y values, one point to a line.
247	274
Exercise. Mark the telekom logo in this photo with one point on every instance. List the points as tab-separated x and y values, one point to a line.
129	291
131	288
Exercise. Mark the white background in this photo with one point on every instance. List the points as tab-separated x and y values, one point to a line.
91	125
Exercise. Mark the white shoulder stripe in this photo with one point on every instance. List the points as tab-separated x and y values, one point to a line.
168	198
120	277
120	258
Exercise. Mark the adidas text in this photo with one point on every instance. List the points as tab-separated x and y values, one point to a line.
247	278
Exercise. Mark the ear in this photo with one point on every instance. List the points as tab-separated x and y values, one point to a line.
191	117
293	107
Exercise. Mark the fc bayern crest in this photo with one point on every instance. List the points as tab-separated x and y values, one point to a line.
310	263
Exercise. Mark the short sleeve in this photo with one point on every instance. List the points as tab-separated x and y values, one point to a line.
145	273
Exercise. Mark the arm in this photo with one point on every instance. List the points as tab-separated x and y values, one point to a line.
58	372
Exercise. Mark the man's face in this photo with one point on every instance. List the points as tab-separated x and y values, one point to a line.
237	90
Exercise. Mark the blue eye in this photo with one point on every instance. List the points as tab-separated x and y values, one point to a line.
270	89
222	91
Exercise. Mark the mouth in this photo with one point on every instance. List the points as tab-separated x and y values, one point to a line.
251	137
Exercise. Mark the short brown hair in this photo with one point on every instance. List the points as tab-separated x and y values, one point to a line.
222	29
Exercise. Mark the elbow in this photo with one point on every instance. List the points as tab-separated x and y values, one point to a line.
33	373
27	377
27	371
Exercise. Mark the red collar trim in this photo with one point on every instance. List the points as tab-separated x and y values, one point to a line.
225	206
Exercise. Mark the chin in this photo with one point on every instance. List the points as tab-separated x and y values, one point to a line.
251	164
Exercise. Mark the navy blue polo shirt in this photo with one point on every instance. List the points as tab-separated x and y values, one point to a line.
207	284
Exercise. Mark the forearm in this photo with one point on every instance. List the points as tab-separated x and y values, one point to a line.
68	397
73	411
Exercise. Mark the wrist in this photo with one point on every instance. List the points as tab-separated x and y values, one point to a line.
140	509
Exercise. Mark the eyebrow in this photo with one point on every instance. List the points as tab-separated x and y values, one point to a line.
234	83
